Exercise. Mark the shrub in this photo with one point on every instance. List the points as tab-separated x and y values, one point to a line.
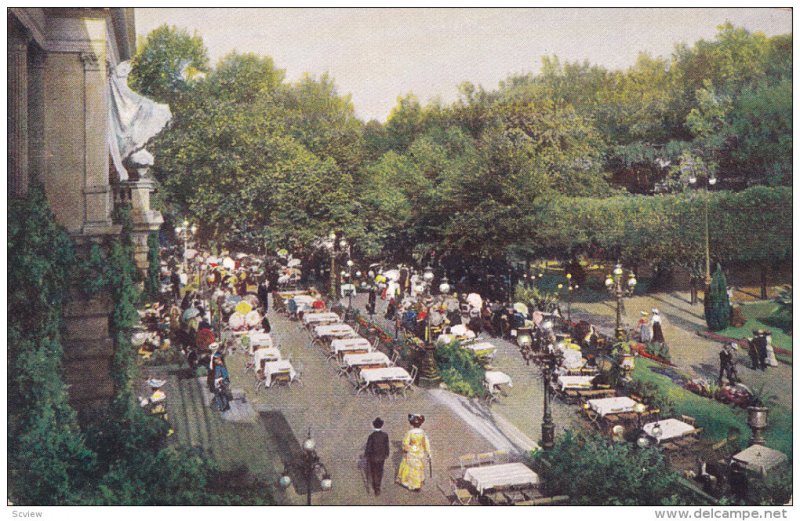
716	303
460	370
592	470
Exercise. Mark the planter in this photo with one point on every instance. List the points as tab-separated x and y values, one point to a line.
757	420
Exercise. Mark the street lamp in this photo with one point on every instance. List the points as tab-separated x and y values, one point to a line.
693	169
184	230
549	366
310	467
444	287
570	288
429	372
331	245
618	289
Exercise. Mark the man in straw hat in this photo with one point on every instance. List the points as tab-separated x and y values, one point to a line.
727	363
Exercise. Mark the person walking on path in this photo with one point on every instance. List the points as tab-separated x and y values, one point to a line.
416	449
645	334
655	324
727	363
376	452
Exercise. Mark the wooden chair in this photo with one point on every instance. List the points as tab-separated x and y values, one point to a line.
467	460
688	419
394	358
382	388
501	456
282	378
456	495
485	458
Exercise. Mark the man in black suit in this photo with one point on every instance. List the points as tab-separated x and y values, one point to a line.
376	453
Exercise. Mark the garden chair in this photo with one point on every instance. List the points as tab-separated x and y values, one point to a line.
501	456
462	495
467	460
299	370
688	419
485	458
381	389
394	358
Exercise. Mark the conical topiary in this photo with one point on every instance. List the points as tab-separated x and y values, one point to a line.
717	305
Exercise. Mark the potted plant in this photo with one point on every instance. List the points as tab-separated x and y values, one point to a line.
757	413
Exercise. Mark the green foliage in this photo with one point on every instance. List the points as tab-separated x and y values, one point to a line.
660	350
591	470
774	490
716	303
152	283
460	370
48	463
166	62
536	298
652	396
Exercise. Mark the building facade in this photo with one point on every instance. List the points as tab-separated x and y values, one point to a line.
59	63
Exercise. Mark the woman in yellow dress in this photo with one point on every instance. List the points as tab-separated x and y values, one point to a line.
416	449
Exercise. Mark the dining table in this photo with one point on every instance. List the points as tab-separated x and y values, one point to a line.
366	359
385	374
566	382
341	345
614	405
271	369
495	378
670	428
334	330
313	318
501	476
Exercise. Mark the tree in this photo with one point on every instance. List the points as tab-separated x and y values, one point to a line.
716	303
166	62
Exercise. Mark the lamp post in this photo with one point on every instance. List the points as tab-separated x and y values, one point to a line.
710	180
548	427
184	230
618	289
570	288
310	467
429	372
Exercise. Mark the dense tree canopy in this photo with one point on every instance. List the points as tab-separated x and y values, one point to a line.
560	162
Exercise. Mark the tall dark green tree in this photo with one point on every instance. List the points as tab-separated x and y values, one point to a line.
717	305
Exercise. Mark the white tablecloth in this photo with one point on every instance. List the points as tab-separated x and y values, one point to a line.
366	359
670	428
350	344
310	318
270	354
260	339
384	374
617	404
759	458
572	359
337	330
480	346
497	378
575	382
505	475
304	299
281	366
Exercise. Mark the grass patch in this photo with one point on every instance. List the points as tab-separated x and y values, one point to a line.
757	315
718	419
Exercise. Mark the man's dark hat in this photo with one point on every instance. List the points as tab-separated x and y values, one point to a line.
377	423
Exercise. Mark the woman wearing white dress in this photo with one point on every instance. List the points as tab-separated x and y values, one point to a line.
655	325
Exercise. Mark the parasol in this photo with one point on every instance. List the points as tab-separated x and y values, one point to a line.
251	299
190	253
139	339
212	260
252	319
233	299
243	307
241	255
190	314
229	263
283	252
475	300
236	321
519	307
294	262
392	274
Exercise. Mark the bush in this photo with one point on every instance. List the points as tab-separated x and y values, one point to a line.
716	303
460	370
592	470
652	396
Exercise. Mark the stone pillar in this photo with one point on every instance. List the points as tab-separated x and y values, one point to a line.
98	203
36	156
144	219
17	68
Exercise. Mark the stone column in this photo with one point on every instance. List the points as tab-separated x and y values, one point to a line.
36	156
98	203
17	68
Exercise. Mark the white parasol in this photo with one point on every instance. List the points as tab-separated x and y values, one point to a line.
294	262
475	300
228	263
252	319
519	307
190	253
392	274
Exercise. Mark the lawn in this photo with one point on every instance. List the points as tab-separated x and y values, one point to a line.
716	418
757	315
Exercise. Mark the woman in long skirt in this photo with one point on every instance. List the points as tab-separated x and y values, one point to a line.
416	449
655	323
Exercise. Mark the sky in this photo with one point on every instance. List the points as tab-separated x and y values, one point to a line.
376	55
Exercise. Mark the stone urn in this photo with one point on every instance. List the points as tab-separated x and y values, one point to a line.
757	420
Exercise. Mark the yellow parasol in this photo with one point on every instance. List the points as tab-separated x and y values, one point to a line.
244	307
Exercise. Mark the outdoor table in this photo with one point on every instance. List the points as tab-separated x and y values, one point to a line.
350	344
572	359
500	476
362	359
334	330
575	382
758	458
481	348
274	368
606	406
260	339
670	428
385	374
269	354
311	318
494	378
